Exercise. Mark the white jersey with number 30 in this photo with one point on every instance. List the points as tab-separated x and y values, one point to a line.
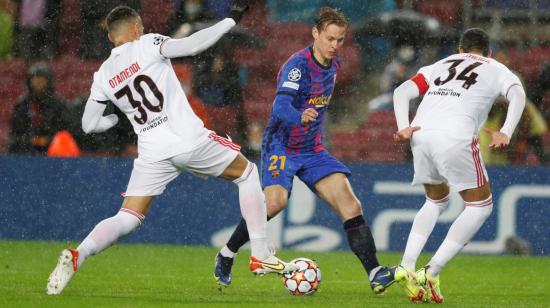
141	82
459	92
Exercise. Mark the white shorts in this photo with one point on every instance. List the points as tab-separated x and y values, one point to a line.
210	158
439	157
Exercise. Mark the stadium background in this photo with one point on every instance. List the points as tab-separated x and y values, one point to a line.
359	131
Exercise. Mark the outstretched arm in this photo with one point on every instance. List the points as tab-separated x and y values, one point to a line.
197	42
93	120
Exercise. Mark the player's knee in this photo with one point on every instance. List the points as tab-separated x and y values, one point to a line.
128	220
250	173
275	206
442	203
350	209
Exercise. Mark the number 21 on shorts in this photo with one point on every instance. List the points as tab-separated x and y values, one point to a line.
277	162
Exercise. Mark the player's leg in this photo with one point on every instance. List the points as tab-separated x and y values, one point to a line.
252	202
466	173
437	197
276	199
105	234
437	200
478	206
254	213
130	216
336	190
278	171
147	180
221	158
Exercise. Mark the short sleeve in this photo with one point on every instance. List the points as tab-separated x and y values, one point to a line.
508	81
96	92
151	45
291	78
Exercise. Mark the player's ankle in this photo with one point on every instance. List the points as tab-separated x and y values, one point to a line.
226	252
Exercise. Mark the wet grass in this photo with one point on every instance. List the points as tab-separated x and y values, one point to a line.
171	276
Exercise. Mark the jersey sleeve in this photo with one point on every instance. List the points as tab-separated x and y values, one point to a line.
291	78
508	81
151	46
421	79
96	92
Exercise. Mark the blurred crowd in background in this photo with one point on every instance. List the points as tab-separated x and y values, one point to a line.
49	50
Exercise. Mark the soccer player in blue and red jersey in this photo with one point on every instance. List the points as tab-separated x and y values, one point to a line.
293	146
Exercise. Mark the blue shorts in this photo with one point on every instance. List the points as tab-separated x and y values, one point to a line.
279	168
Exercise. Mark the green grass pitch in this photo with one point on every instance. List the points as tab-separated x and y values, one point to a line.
171	276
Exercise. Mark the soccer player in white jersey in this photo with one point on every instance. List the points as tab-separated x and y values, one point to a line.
138	78
458	94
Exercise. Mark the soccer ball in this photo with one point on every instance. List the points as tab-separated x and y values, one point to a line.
305	281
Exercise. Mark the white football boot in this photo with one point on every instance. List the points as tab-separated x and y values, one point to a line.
271	265
63	272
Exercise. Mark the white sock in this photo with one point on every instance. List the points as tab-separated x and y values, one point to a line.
226	252
423	225
460	233
107	232
253	209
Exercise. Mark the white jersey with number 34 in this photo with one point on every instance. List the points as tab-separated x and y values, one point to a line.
141	82
459	92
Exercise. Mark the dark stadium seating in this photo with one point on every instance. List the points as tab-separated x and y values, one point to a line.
529	61
449	12
69	28
156	15
372	141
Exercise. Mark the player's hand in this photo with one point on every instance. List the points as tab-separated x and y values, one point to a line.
238	8
309	115
405	134
498	140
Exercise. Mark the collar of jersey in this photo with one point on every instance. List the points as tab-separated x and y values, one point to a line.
317	62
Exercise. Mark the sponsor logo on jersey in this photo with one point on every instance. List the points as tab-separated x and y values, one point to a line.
290	84
124	74
443	92
294	74
275	174
157	40
319	101
158	121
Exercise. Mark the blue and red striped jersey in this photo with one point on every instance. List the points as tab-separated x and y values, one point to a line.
306	83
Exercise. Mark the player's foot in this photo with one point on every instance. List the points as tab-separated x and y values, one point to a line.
383	279
271	265
67	265
430	284
222	269
408	281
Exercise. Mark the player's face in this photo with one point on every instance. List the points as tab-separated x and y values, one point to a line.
329	41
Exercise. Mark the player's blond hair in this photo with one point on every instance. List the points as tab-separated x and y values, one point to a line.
329	16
